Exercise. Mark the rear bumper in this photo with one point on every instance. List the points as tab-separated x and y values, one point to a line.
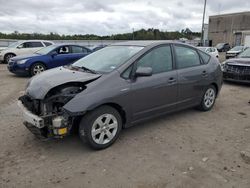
230	56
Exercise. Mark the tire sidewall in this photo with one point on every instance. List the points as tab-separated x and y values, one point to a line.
88	121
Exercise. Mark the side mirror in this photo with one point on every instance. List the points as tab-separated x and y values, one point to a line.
53	54
143	71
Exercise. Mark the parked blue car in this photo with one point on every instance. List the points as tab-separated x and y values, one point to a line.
46	58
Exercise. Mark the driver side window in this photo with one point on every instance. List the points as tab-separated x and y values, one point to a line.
159	59
63	50
23	45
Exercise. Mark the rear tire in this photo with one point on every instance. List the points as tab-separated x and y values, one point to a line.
208	99
100	128
37	68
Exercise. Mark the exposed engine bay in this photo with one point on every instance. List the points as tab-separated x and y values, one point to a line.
49	117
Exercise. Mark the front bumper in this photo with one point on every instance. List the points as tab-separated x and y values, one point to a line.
30	118
236	77
17	69
1	57
38	126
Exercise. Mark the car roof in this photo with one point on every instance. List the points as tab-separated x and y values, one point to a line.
148	43
34	41
68	44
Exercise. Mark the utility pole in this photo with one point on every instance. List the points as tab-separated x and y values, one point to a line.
133	33
203	18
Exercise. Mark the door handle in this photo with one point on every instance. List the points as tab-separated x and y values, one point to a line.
171	80
204	73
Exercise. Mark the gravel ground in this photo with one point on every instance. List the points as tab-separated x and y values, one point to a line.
187	149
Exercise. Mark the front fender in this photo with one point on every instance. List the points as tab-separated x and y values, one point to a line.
80	105
84	102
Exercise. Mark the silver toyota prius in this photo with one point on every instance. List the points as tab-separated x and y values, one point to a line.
117	87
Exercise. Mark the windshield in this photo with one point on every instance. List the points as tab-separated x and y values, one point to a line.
46	50
245	54
14	44
108	58
237	48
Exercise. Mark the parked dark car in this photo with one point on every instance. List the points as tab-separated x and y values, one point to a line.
235	51
223	47
119	86
46	58
98	47
237	69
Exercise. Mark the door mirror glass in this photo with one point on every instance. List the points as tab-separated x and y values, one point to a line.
143	71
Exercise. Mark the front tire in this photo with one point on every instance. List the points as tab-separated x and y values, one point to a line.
7	57
37	68
208	99
101	127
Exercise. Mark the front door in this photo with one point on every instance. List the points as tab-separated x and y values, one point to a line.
157	93
62	57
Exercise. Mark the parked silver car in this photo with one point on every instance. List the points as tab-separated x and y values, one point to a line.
119	86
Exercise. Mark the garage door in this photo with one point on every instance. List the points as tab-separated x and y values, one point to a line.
247	41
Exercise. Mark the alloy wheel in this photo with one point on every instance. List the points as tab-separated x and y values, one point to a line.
104	129
8	57
209	97
38	69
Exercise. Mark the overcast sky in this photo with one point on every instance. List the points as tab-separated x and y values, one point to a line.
105	17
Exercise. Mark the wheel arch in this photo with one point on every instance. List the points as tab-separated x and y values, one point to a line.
33	63
8	53
119	108
216	87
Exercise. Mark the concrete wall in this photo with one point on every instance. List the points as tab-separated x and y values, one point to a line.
228	28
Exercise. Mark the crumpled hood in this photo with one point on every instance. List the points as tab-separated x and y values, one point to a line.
239	61
40	85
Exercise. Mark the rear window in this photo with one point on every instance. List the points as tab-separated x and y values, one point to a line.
205	57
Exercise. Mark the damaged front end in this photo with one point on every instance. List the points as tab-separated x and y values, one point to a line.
46	117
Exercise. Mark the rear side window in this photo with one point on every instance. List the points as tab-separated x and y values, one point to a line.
25	45
47	43
159	59
205	57
186	57
78	49
35	44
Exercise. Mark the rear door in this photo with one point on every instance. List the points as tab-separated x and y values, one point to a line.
28	48
157	93
192	75
77	52
35	46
